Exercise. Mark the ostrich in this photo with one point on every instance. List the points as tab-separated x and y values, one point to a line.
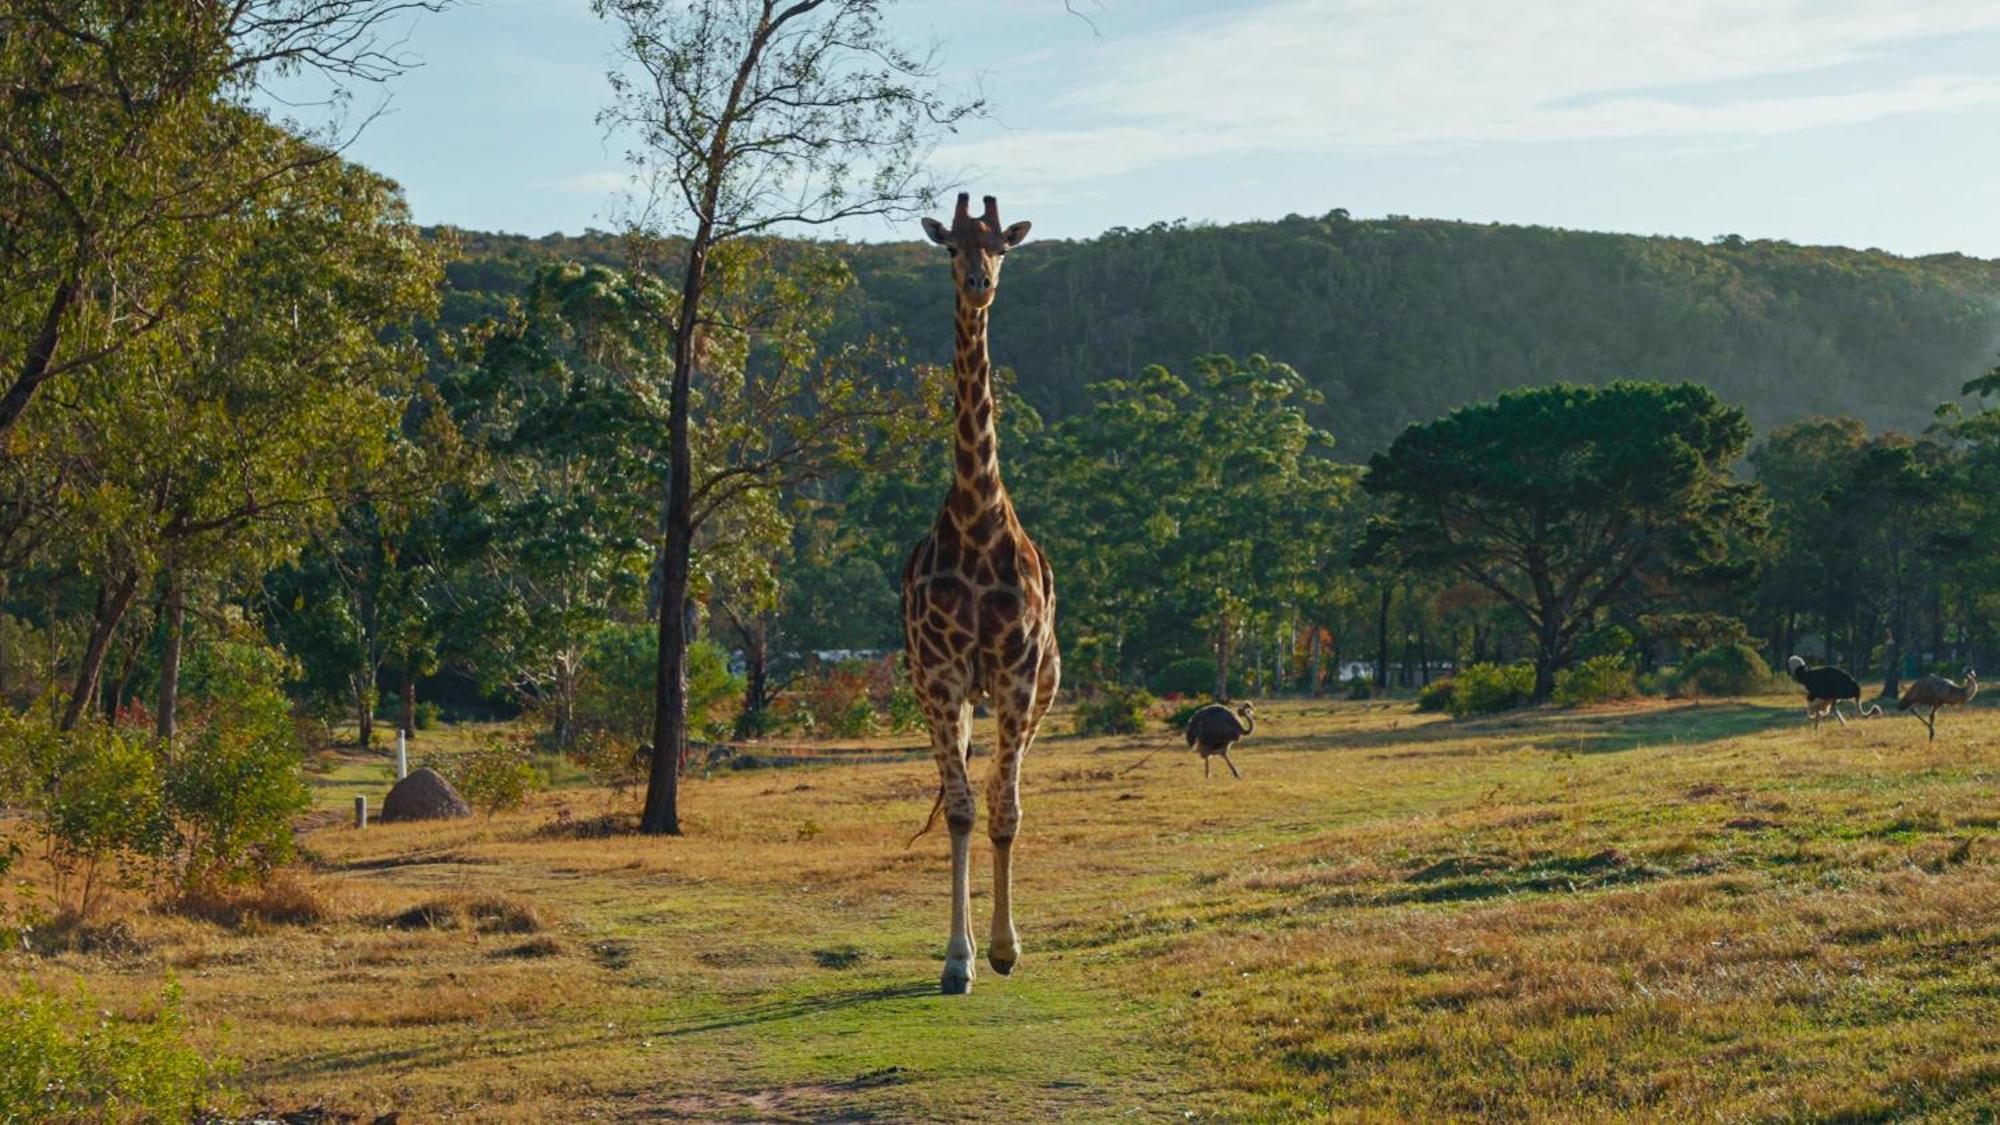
1825	689
1935	692
1215	728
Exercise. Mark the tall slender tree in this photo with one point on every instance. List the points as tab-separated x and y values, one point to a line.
749	116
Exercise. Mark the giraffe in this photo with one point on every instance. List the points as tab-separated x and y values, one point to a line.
979	609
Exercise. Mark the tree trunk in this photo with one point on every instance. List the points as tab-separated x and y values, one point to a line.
41	354
1315	654
662	815
364	707
1892	665
756	637
167	703
1548	640
114	597
409	696
1222	660
1382	638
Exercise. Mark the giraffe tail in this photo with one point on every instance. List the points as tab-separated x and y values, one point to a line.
930	821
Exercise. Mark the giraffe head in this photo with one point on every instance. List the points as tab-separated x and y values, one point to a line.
976	246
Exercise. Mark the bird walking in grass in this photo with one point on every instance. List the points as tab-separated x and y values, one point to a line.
1934	692
1215	728
1826	688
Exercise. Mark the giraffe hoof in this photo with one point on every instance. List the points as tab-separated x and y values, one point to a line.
1004	968
957	981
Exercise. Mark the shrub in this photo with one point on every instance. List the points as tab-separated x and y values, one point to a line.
1113	709
1733	669
427	715
231	792
496	778
616	694
1598	679
1193	675
612	762
1483	689
1360	687
93	796
232	786
64	1059
1436	695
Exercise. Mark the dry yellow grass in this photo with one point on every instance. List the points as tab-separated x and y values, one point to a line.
1653	911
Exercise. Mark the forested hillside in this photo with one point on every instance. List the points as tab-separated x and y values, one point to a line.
1398	320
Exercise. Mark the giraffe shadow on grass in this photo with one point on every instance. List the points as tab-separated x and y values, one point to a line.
800	1008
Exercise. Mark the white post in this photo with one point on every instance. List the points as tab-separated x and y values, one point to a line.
402	754
361	810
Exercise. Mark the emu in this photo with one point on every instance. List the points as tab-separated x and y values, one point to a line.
1935	692
1215	728
1826	688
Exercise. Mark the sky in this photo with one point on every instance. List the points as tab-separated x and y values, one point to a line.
1865	123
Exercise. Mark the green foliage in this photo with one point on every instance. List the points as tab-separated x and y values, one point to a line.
232	792
1597	679
63	1058
93	795
1483	689
1436	695
1611	640
1188	676
497	778
1113	709
1734	669
1558	498
1177	719
616	694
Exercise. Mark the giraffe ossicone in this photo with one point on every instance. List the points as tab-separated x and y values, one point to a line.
979	605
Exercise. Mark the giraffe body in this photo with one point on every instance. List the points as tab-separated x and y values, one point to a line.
979	610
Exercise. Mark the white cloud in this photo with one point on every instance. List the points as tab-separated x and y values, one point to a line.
596	183
1336	76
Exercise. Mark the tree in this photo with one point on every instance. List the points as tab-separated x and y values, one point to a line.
552	538
122	153
750	115
1555	498
212	449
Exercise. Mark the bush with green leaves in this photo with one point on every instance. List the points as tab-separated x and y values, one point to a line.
1178	718
63	1058
1113	708
497	778
231	792
1191	676
232	786
1599	679
93	796
1483	689
1436	695
1733	669
1360	687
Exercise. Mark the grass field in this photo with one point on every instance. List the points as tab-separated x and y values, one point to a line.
1659	911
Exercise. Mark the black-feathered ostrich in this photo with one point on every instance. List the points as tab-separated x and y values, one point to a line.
1933	692
1826	688
1215	728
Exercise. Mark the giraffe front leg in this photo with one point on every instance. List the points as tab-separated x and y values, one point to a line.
951	736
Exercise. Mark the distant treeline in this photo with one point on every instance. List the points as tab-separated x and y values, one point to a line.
1398	320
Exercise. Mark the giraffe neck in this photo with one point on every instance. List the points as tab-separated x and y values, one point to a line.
976	454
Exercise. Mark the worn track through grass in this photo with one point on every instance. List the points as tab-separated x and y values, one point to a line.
1661	910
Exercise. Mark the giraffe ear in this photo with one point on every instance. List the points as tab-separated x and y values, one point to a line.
1013	235
937	232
